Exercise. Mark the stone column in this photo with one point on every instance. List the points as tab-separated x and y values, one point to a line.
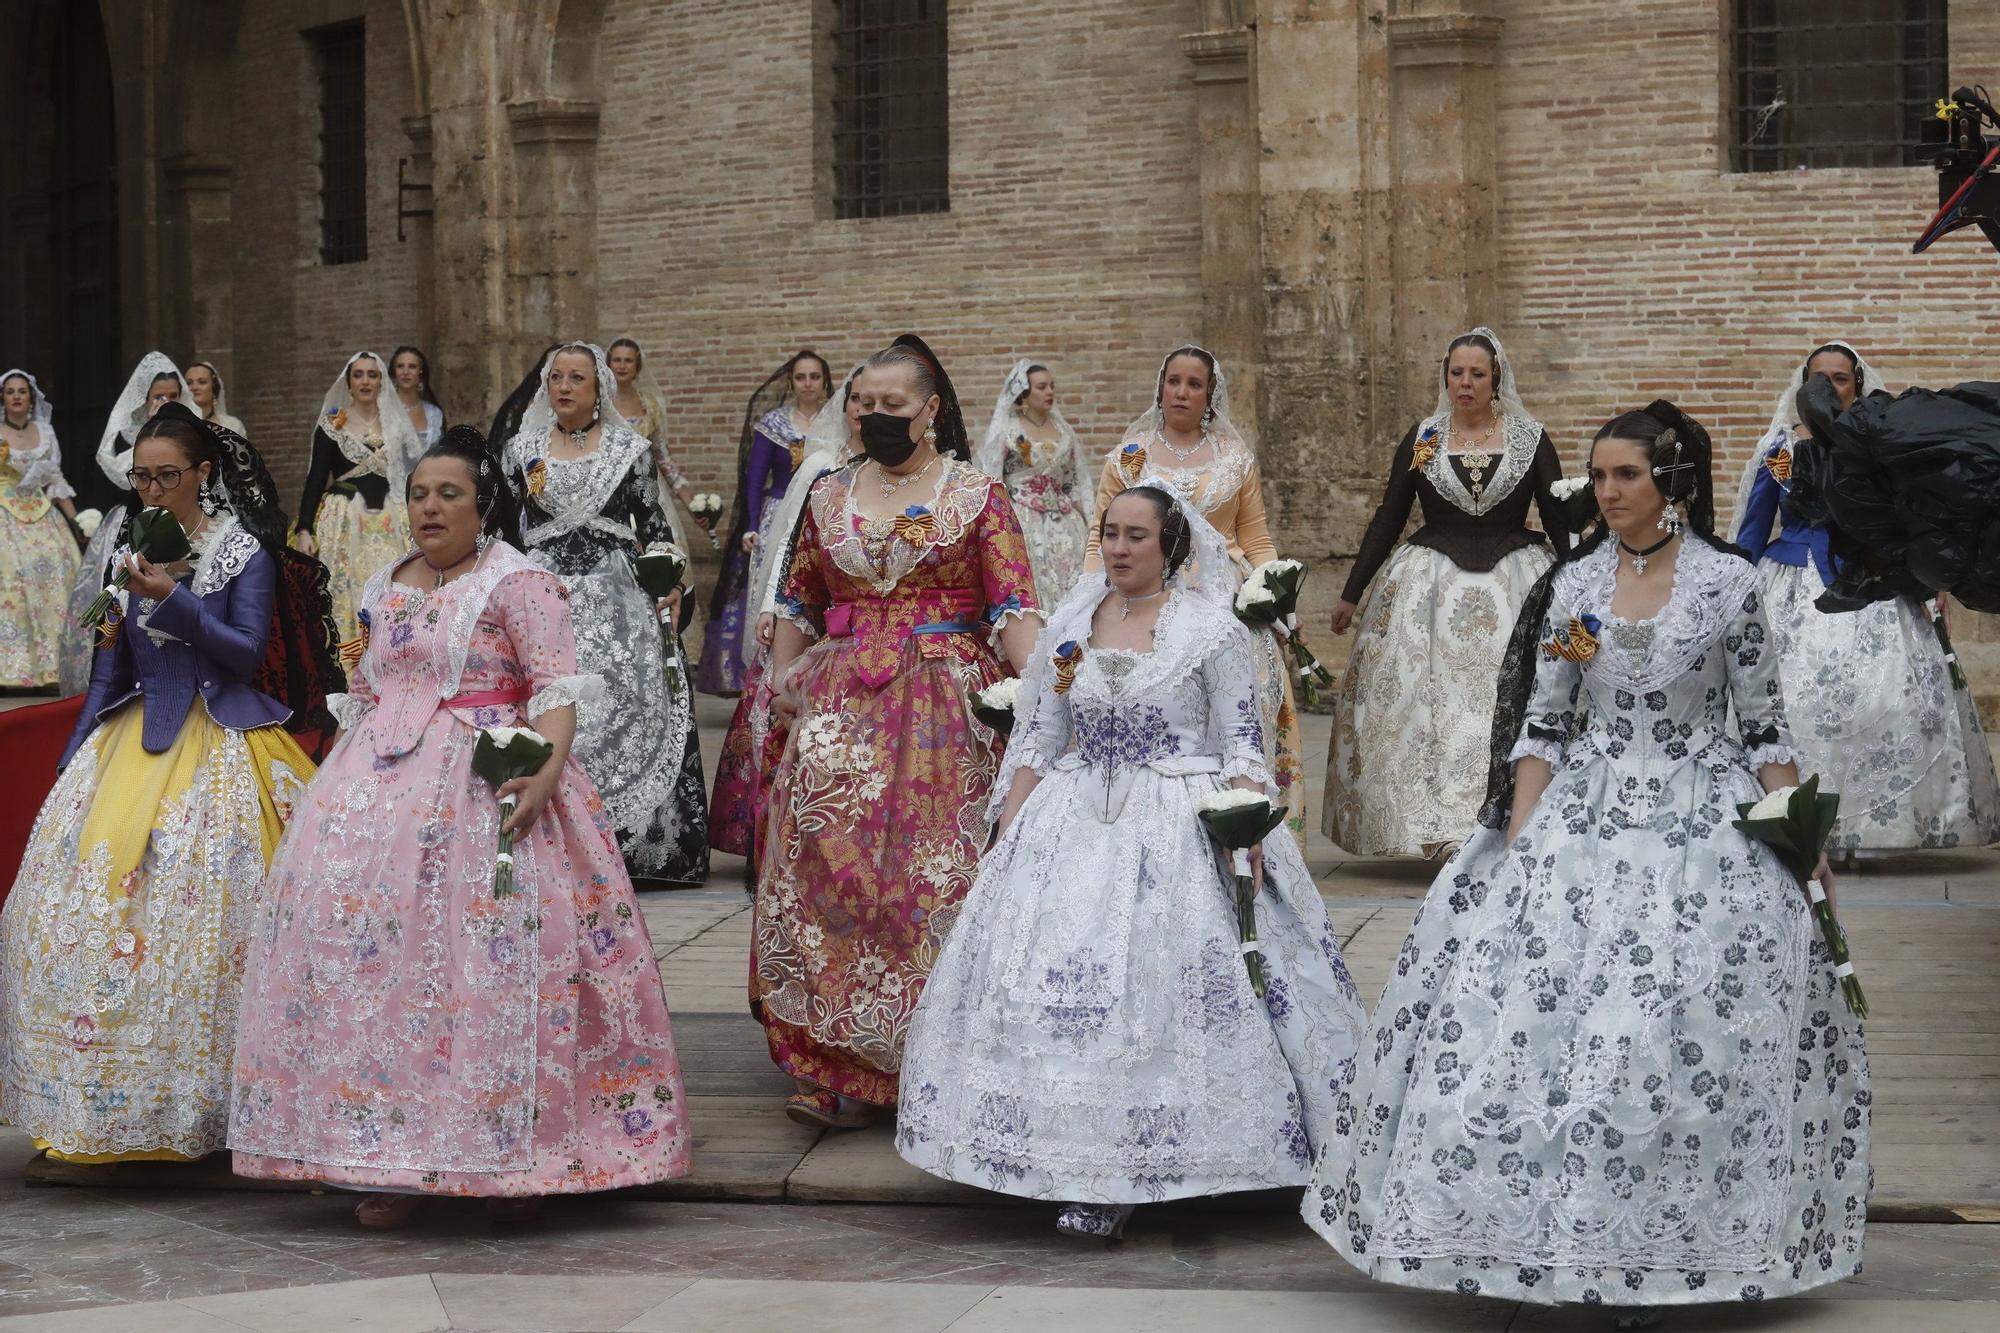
552	224
1321	95
1446	256
1232	317
200	314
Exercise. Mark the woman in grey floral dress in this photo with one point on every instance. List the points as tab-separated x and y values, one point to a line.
1612	1064
590	504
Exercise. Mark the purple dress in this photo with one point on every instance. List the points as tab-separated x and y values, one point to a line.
775	449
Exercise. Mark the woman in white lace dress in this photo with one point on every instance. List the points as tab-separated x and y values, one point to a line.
1033	451
1612	1064
590	505
1090	1033
1869	693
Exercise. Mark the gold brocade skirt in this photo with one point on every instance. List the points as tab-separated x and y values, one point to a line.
122	942
355	541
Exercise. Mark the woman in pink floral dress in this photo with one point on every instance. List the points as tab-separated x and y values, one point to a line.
405	1029
906	567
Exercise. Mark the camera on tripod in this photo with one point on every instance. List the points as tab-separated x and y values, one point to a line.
1968	170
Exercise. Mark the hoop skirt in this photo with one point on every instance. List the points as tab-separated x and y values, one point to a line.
407	1029
1090	1033
1612	1063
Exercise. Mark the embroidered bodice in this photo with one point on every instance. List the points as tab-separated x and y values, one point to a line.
578	510
954	556
1228	489
1659	692
502	632
1042	475
1473	532
1188	706
31	477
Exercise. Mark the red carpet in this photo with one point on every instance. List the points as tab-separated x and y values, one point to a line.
31	739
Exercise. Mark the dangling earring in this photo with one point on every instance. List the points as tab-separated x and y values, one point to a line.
930	434
1496	407
206	498
1208	417
1670	521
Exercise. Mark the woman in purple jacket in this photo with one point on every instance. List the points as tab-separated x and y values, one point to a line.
122	942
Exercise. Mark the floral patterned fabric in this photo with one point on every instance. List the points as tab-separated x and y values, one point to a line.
585	520
121	944
858	892
1407	768
38	568
405	1029
1612	1064
1229	492
1049	501
1090	1032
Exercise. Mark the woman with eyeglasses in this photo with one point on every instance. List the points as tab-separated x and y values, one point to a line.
122	941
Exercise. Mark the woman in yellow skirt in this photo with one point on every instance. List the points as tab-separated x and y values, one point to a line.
351	512
122	941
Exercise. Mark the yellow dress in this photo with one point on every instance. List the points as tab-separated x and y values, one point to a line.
123	939
38	567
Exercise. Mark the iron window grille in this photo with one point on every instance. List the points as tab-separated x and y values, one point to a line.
891	110
340	56
1836	83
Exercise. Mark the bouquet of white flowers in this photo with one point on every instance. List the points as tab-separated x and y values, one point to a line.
1576	498
1794	822
707	510
88	521
1270	597
1238	820
994	705
501	755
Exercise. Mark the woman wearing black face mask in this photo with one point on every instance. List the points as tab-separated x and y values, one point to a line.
908	573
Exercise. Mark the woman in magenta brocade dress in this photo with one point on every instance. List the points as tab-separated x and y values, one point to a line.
907	569
405	1029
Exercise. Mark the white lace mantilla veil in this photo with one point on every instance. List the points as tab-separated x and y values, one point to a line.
539	421
1786	415
1510	393
219	414
400	446
114	447
1209	576
43	467
1006	425
1221	430
644	383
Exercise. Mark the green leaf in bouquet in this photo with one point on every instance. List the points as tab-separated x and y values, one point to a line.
159	537
521	755
1243	826
659	572
1000	719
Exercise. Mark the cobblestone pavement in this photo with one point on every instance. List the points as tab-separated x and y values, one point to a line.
783	1226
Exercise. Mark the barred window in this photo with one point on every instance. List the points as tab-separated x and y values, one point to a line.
343	142
1836	83
891	115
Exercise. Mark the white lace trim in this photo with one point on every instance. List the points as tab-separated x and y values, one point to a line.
466	598
347	709
1522	436
565	692
587	483
1772	754
224	555
1535	747
1709	587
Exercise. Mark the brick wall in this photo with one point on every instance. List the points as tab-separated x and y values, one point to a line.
1074	230
1635	265
297	320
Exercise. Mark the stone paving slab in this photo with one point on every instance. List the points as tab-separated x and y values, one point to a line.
435	1303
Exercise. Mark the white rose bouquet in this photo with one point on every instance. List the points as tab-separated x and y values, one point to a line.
1238	820
1576	498
1270	598
1795	822
994	705
88	521
707	510
501	755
